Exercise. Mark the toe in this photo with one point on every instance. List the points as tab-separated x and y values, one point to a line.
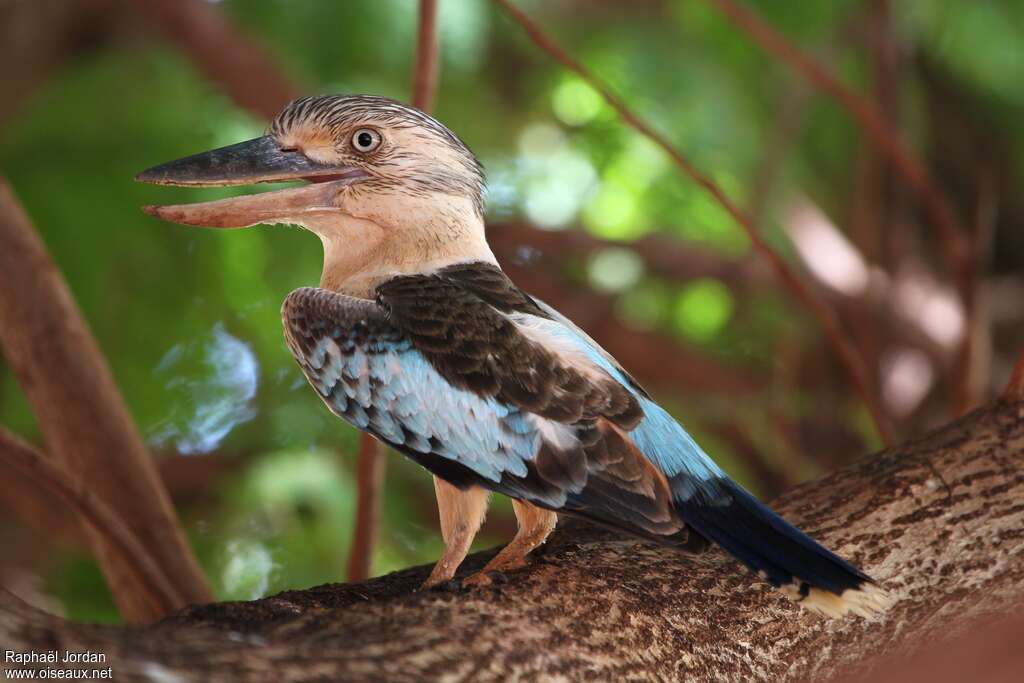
478	579
434	580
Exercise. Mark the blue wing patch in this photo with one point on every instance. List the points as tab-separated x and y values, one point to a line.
390	389
372	376
372	373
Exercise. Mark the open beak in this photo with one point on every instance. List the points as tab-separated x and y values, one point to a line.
255	161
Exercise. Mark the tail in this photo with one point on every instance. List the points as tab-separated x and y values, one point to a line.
786	557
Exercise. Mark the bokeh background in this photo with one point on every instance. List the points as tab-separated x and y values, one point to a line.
582	210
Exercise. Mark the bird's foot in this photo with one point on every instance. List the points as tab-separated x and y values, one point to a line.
431	583
443	572
478	580
486	578
449	586
495	571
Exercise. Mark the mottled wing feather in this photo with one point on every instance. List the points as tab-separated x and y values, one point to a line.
492	286
376	370
473	345
367	371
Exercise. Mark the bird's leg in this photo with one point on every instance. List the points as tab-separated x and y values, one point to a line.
534	526
461	513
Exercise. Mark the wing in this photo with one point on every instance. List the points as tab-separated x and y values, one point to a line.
477	347
450	381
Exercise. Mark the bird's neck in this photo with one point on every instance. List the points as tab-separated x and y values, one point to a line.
355	266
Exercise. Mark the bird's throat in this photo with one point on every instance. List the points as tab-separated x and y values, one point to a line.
363	255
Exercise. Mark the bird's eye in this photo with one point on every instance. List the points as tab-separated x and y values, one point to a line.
365	140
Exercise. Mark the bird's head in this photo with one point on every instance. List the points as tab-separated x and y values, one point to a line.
389	190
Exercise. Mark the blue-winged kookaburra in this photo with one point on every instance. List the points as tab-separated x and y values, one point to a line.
416	336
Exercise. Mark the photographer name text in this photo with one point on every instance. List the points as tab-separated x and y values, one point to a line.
54	657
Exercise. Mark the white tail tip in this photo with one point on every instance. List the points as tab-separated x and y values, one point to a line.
865	601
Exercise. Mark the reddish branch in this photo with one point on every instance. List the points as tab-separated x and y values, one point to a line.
663	256
31	463
425	69
828	320
970	370
224	54
370	463
83	418
1014	390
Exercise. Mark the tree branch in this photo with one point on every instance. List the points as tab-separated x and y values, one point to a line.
83	418
426	69
971	367
1014	391
241	66
663	256
17	454
369	484
826	317
599	606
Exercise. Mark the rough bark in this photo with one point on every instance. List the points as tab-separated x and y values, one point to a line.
83	417
939	522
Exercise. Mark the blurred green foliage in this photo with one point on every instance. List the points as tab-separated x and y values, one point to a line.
189	319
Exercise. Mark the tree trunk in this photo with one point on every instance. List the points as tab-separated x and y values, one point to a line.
939	522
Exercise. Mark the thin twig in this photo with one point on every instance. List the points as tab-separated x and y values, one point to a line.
876	197
953	237
958	250
968	376
790	107
790	112
425	70
1014	391
370	463
826	317
17	454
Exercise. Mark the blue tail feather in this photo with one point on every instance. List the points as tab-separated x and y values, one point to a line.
766	543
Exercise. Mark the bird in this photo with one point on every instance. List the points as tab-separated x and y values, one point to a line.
418	337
